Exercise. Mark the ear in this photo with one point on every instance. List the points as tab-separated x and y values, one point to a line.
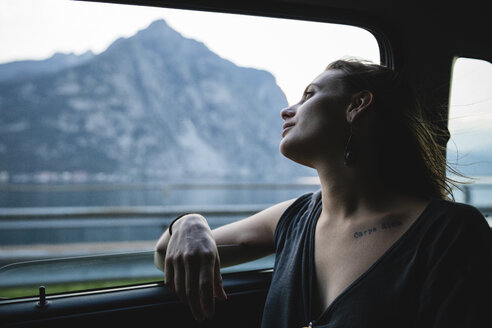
360	102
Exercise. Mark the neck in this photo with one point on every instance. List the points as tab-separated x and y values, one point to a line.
349	193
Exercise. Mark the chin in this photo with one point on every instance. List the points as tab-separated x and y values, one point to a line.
294	152
285	148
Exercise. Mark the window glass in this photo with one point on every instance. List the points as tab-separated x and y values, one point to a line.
470	124
115	119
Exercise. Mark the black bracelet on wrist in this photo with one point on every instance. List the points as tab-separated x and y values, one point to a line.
176	219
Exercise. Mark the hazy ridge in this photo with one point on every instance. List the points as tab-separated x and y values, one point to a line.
152	106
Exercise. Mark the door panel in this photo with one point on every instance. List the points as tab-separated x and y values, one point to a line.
142	305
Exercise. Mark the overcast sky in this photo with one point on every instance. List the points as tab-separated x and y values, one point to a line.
471	106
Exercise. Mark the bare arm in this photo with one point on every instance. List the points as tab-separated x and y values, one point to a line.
191	258
237	242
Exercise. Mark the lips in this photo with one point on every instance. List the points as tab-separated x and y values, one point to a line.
287	124
286	127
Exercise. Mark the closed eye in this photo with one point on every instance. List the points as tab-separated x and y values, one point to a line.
308	92
307	95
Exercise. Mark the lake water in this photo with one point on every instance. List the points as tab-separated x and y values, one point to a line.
93	195
58	229
163	195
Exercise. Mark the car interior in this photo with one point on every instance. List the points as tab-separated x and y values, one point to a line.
422	40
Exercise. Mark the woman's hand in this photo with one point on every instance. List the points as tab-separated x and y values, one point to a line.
192	266
190	259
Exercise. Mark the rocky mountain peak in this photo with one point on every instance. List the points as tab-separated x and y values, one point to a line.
152	106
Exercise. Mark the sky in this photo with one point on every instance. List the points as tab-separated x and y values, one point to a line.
470	114
293	51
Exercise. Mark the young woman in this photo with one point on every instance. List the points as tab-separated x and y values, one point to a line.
378	246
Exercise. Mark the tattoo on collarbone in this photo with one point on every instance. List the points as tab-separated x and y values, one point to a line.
383	226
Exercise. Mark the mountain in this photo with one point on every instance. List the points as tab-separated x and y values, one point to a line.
152	105
29	69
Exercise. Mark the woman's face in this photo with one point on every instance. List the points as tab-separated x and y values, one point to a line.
316	128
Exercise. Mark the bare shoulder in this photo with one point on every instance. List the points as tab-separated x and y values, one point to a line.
271	215
257	229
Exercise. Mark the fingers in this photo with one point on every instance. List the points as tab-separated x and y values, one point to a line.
207	289
169	274
218	288
179	281
192	270
195	283
192	291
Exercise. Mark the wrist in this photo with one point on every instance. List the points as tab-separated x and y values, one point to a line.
187	219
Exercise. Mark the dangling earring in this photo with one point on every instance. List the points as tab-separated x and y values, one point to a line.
349	157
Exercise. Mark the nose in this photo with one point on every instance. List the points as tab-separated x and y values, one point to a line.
288	112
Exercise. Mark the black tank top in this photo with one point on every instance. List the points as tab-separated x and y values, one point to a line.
437	274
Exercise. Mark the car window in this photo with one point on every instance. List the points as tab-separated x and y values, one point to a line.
115	119
470	124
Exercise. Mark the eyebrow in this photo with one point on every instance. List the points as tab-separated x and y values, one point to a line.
311	85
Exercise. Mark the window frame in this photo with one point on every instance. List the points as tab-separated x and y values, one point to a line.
305	12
